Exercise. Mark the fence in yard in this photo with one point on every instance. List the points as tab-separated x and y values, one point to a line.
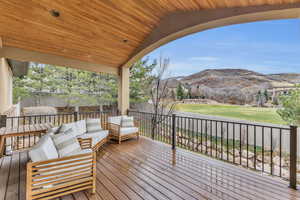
269	149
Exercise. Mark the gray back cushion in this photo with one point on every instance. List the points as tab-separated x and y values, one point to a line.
93	125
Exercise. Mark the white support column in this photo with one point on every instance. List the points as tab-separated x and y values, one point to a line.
6	87
123	92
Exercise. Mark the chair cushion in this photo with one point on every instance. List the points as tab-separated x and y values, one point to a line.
127	121
66	143
80	127
103	133
81	151
128	130
93	125
115	120
96	136
67	126
43	150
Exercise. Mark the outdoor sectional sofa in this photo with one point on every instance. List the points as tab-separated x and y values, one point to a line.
64	160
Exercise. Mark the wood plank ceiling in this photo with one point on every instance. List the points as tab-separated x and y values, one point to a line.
97	31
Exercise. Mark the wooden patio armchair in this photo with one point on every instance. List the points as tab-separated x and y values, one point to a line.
116	132
58	177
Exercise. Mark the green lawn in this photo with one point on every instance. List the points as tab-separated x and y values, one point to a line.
256	114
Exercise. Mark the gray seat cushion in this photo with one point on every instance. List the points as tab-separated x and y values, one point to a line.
128	130
96	136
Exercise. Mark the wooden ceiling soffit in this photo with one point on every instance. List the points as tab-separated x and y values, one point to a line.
26	55
180	24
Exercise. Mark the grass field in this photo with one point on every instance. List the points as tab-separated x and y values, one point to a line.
256	114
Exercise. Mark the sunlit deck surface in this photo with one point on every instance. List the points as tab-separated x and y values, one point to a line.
146	169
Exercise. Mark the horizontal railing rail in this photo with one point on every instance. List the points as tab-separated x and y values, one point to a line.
264	148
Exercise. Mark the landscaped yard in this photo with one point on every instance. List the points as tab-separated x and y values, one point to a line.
268	115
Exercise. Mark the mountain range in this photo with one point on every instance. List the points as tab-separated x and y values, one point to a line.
237	86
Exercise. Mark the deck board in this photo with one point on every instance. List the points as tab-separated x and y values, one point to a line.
148	170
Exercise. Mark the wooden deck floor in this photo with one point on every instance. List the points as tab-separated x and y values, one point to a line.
149	170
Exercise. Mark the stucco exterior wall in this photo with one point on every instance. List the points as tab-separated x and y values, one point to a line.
6	86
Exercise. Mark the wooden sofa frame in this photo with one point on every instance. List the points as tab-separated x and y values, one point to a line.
58	177
114	132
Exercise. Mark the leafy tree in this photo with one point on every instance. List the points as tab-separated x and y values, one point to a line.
180	92
67	84
77	86
290	110
39	81
141	78
101	88
20	89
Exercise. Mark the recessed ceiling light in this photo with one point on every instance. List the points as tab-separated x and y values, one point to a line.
54	13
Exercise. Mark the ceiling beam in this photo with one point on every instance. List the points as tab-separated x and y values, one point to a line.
180	24
33	56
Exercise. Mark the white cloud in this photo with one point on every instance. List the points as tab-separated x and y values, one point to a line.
204	58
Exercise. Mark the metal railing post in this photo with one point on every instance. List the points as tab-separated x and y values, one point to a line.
293	157
173	131
3	121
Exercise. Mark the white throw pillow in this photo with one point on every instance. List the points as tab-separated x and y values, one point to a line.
80	127
65	127
53	131
66	143
93	125
43	150
127	121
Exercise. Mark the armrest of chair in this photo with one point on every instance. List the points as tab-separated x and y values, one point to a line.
58	177
85	143
114	127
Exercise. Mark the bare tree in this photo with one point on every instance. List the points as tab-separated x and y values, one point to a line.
162	103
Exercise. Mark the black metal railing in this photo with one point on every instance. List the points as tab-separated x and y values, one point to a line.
54	119
270	149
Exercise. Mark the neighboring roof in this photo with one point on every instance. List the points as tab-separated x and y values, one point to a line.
117	32
18	68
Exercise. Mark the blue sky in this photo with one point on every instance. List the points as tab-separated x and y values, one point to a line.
265	47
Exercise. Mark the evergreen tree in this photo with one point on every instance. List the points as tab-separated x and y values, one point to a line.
39	81
180	92
141	78
77	86
266	95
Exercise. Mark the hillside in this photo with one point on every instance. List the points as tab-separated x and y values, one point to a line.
237	86
292	78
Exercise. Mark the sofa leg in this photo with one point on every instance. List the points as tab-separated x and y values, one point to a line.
93	191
